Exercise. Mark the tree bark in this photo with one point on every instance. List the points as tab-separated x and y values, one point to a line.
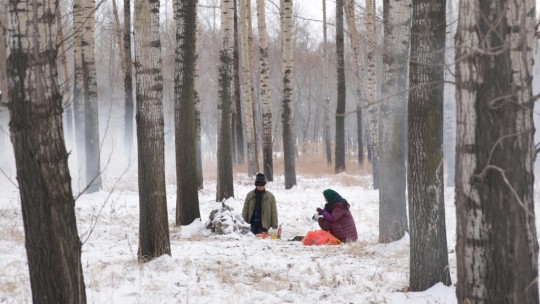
78	93
268	162
341	102
52	242
237	130
392	172
359	76
153	218
225	187
128	81
373	107
497	245
287	114
327	137
91	120
429	251
187	197
253	166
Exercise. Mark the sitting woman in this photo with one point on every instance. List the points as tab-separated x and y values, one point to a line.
336	217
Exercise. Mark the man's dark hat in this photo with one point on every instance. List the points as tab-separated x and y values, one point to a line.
260	180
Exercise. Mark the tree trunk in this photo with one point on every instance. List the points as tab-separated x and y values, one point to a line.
52	242
450	99
64	84
268	162
78	93
153	221
327	135
497	246
253	166
360	81
237	129
341	102
128	81
429	252
198	145
187	202
225	187
91	122
287	114
373	107
392	172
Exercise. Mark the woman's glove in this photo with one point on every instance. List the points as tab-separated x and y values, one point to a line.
326	215
320	211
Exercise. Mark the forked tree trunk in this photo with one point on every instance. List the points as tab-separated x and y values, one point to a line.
429	251
225	188
53	246
268	162
187	196
497	241
287	114
153	218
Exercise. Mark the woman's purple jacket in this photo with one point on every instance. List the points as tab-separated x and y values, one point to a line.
339	222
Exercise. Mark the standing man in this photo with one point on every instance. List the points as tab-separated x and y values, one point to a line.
260	207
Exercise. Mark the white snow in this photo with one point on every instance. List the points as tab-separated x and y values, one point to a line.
232	268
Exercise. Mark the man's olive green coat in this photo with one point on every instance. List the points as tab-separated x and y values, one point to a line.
269	215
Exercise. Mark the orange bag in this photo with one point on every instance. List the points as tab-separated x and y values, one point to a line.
320	237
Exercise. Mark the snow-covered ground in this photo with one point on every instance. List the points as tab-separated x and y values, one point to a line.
235	268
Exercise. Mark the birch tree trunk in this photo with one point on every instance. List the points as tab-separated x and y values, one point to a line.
497	245
237	129
78	92
341	91
373	107
327	137
53	246
429	251
153	219
64	84
91	122
128	81
287	114
187	197
393	175
268	162
360	79
225	187
450	98
253	166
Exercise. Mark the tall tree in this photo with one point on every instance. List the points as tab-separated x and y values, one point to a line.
373	108
327	137
341	102
128	80
268	162
4	120
237	129
187	197
64	84
450	97
392	171
52	242
78	91
225	187
287	113
91	121
429	251
359	77
497	245
153	218
253	165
